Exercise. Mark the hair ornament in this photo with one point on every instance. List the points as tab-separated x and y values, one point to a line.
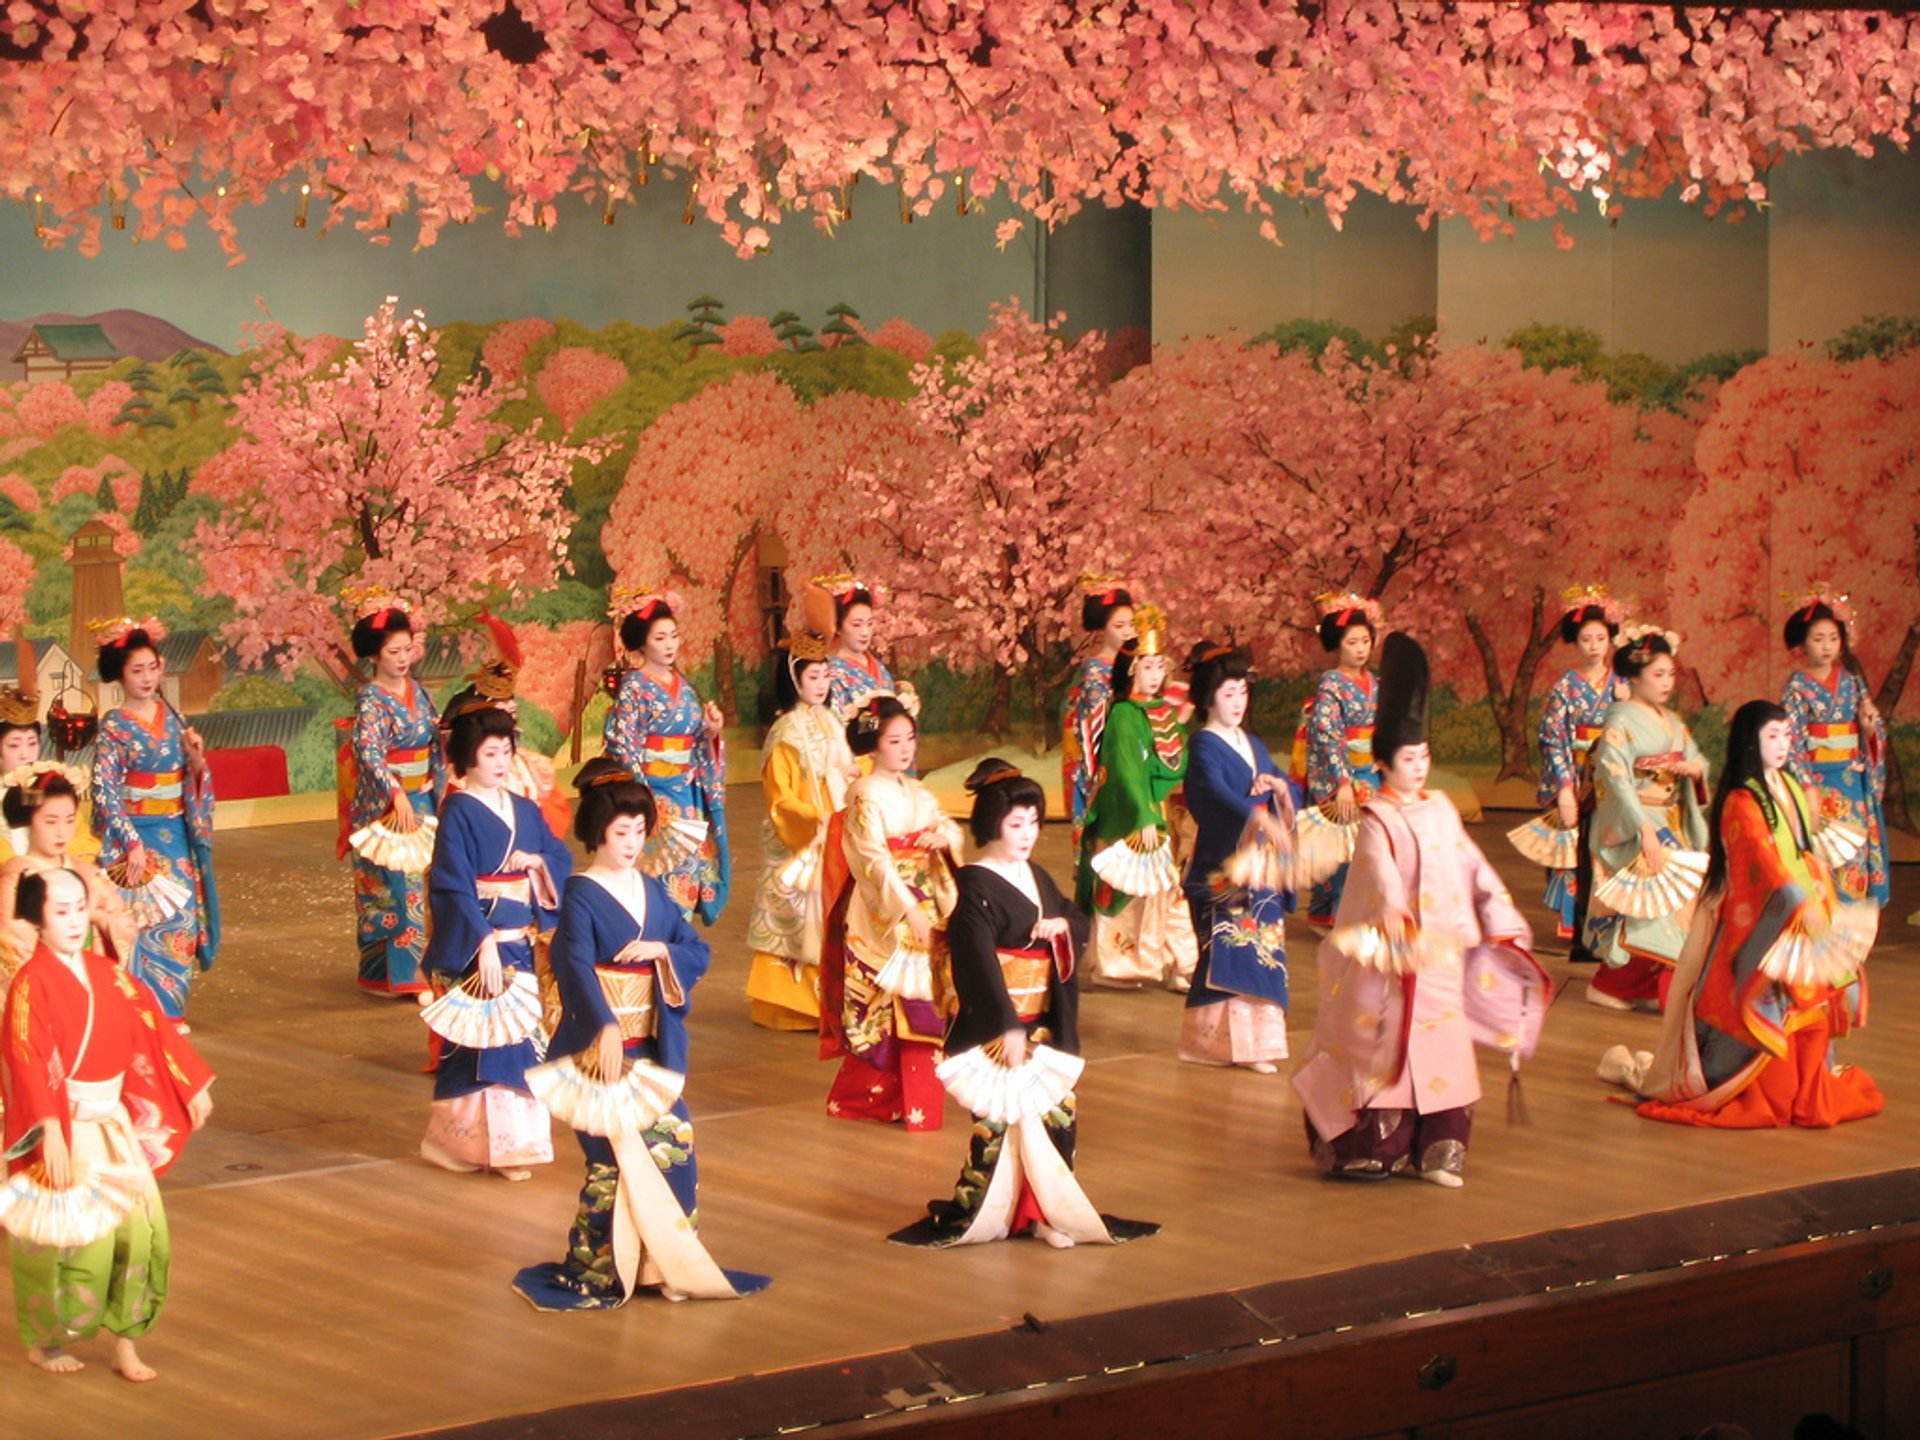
1820	592
116	631
1345	604
806	647
869	717
610	777
31	779
1576	598
644	601
1633	639
1004	771
1102	587
1149	630
376	603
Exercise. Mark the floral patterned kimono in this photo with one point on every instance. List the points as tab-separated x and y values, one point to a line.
658	733
84	1048
1236	1012
638	1213
144	794
495	871
1747	1051
1847	763
805	780
1339	752
1634	782
393	740
1390	1079
855	680
1137	939
1570	723
1082	723
884	1000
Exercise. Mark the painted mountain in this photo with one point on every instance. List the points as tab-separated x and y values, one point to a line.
133	332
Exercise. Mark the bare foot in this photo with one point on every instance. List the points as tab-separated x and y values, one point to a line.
1261	1067
1057	1239
513	1172
1443	1178
54	1360
128	1362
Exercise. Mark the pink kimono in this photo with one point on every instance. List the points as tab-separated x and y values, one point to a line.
1390	1077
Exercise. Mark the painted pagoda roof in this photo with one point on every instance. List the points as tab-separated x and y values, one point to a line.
72	342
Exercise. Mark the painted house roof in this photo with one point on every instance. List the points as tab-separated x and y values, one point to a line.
72	342
10	659
238	729
178	650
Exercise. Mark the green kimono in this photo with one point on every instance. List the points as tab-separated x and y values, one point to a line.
1143	759
1635	753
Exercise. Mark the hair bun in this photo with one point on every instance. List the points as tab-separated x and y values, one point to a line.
601	770
991	771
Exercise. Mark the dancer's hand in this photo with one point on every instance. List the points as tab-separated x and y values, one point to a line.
402	821
195	746
55	1157
609	1053
1149	837
1049	929
1273	831
1344	809
136	864
1013	1047
1569	807
920	927
493	977
199	1108
1653	852
1396	925
712	721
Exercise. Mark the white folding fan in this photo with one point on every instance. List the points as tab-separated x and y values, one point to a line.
1838	844
1008	1093
1546	842
1641	895
390	849
1135	871
1321	844
482	1022
615	1109
1833	957
89	1209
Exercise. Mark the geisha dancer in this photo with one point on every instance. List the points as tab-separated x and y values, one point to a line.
493	887
858	672
153	812
1236	1012
1014	937
1572	719
42	802
1341	773
804	777
1650	791
883	970
399	777
532	773
83	1049
1106	614
1428	956
20	748
659	730
1771	972
626	960
1839	739
1142	934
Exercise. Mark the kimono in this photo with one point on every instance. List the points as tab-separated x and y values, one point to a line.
1570	723
1633	783
804	777
490	875
1390	1079
97	1059
114	931
394	740
1137	939
658	732
532	776
623	1225
1020	1172
1339	752
1746	1051
884	1000
144	794
1082	723
855	681
1236	1012
1847	764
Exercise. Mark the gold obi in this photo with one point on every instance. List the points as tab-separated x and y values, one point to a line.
504	887
1026	972
630	995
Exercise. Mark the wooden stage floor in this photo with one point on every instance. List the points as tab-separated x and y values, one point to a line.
327	1283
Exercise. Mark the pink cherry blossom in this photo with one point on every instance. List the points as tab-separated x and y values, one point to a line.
576	379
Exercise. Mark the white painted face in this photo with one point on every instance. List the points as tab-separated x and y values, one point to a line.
662	645
1356	648
1776	744
1149	676
1409	768
64	923
856	629
899	742
395	658
50	832
1230	700
19	747
1118	629
492	762
1823	644
1655	683
626	837
814	682
1594	643
1020	832
140	681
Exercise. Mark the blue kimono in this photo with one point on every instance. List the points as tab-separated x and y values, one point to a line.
1339	752
658	732
472	893
1242	933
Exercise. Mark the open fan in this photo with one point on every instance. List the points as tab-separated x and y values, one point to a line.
683	836
1008	1093
481	1022
615	1109
409	853
801	870
908	972
1370	946
1838	844
1641	895
1257	865
1833	957
154	895
1321	844
1135	871
1544	841
88	1210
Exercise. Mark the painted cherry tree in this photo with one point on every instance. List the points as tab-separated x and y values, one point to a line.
575	379
555	657
351	470
16	578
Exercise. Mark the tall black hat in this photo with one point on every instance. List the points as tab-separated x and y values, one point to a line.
1405	680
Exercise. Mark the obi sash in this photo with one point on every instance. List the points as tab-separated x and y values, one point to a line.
630	995
412	767
94	1100
1359	746
1026	972
1584	737
517	887
666	756
154	792
1834	742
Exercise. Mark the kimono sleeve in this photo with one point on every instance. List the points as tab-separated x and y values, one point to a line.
1327	768
559	869
36	1090
875	880
111	822
460	922
1798	705
1556	744
791	798
687	953
972	936
163	1080
1613	769
1124	803
576	950
626	731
